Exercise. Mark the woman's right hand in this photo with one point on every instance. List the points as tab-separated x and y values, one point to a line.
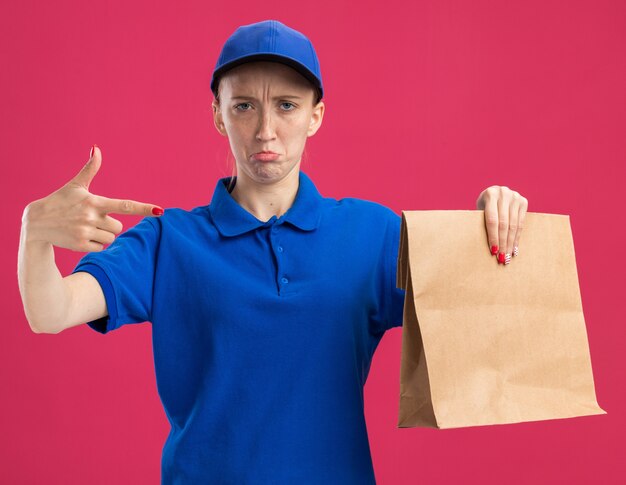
76	219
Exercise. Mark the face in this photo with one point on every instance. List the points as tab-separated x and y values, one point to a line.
266	106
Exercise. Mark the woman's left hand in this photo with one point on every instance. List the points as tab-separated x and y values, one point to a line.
505	210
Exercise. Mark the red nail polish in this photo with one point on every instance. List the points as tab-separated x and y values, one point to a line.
501	258
91	151
494	249
157	211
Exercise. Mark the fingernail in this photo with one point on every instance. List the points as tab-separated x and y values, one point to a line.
494	249
507	258
515	250
91	151
157	211
500	258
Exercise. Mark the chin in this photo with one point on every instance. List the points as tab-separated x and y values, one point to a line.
267	172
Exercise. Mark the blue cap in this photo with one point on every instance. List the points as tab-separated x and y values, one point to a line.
269	40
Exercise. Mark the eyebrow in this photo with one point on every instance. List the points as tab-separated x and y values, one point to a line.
285	96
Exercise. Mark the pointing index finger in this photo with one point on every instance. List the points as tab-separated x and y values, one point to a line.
127	206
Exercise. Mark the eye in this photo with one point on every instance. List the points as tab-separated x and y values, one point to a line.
241	104
286	102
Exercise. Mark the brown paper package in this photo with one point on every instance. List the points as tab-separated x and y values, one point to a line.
486	343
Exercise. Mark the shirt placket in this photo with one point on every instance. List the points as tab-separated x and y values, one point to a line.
277	245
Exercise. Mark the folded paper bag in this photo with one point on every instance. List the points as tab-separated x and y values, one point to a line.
485	343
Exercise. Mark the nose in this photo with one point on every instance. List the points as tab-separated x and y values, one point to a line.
266	129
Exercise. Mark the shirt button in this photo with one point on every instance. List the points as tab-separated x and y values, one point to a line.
284	280
274	228
280	249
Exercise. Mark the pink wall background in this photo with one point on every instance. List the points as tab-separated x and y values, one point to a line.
427	103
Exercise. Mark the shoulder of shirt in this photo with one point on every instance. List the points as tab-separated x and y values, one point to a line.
177	215
178	212
369	206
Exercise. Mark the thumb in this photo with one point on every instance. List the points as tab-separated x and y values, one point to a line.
89	171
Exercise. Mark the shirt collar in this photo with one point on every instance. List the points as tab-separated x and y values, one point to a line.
231	219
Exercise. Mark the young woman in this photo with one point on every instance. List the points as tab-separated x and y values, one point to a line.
266	304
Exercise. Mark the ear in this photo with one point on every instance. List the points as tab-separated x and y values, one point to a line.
217	118
316	118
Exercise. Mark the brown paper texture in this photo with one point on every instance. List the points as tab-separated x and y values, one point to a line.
485	343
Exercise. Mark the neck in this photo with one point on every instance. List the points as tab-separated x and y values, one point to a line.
266	200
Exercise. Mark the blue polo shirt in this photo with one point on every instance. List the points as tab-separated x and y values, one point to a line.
263	332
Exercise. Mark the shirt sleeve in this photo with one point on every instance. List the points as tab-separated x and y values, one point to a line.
125	271
394	308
